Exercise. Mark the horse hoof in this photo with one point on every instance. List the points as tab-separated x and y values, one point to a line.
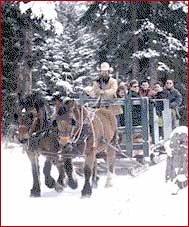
61	182
95	182
58	187
85	196
50	182
72	184
86	192
35	193
95	185
108	185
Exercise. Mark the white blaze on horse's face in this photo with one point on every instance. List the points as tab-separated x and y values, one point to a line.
63	127
66	122
65	131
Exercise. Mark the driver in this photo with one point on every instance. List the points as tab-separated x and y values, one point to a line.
105	87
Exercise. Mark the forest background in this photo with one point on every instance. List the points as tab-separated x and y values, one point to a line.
141	40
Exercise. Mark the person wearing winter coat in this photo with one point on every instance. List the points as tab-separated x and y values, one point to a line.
105	87
160	93
175	101
121	93
145	90
136	109
136	118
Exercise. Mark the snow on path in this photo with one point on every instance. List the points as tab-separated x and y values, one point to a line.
145	200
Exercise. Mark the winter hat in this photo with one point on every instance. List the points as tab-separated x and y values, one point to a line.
104	66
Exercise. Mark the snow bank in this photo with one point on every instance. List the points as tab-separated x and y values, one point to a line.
144	200
179	130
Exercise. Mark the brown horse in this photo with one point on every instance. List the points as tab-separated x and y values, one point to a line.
40	137
89	132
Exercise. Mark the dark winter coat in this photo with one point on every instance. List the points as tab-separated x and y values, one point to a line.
136	109
159	104
175	98
133	94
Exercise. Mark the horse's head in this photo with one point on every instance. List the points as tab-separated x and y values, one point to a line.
66	119
26	115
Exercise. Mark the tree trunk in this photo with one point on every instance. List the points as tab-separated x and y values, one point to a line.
135	62
24	74
28	62
153	70
153	60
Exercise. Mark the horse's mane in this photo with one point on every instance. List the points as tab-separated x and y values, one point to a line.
31	101
26	102
36	102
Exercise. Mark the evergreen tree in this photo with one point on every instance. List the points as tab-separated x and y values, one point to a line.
15	53
79	44
67	59
149	32
143	40
52	69
12	51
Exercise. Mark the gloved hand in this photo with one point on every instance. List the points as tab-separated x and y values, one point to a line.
101	92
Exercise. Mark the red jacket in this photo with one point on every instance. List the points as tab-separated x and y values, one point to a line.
147	93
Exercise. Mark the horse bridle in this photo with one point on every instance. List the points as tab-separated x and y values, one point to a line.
23	124
74	132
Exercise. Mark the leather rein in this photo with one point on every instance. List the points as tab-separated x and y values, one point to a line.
76	133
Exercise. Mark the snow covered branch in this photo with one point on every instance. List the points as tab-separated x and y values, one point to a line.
45	9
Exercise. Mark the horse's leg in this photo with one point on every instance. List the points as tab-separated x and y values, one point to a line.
60	182
89	163
110	164
95	178
69	172
60	168
49	181
68	166
35	191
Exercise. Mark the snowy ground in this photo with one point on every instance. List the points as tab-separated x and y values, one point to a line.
145	200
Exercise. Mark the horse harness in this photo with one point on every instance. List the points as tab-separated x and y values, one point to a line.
84	131
37	129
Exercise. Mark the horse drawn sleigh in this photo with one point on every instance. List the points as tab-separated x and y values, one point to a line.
80	130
